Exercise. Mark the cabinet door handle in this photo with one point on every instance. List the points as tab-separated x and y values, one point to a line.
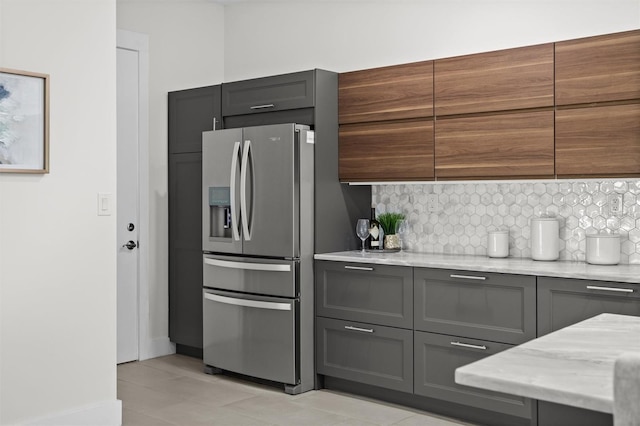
359	268
262	106
619	290
468	277
363	330
468	345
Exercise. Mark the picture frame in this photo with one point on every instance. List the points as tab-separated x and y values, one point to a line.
24	122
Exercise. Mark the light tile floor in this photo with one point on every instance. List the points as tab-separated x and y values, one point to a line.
173	390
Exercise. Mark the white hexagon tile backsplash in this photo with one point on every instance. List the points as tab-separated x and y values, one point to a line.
466	212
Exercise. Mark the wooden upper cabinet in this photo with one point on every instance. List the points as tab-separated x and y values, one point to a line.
386	151
387	93
598	69
598	141
495	81
511	145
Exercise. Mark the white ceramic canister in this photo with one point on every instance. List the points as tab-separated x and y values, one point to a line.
545	238
603	249
498	243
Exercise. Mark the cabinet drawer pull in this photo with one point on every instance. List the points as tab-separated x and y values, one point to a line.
620	290
468	345
468	277
364	330
359	268
262	106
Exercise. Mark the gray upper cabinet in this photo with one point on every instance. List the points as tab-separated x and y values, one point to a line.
376	294
562	302
276	93
488	306
436	359
192	112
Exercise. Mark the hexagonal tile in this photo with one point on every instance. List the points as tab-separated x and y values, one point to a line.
591	187
464	219
620	187
533	200
539	188
481	209
635	257
578	187
627	223
585	199
586	222
599	222
552	188
475	240
492	188
497	198
486	220
475	220
578	210
606	187
628	247
592	211
613	223
515	210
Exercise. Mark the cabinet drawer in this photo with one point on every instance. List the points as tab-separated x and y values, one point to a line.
562	302
371	354
517	145
488	306
598	69
386	151
376	294
436	359
589	141
495	81
280	92
387	93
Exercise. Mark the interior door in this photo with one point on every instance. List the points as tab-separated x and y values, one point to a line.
221	215
269	197
127	206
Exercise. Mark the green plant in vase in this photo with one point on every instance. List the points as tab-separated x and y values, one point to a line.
389	222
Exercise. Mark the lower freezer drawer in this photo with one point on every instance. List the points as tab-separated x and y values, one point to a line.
252	335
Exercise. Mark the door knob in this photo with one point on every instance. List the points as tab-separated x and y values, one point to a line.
130	245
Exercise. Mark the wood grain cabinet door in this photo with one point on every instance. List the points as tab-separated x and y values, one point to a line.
598	141
386	93
517	145
598	69
386	151
495	81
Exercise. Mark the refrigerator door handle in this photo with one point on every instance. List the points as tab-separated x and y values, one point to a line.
235	226
243	191
272	267
248	302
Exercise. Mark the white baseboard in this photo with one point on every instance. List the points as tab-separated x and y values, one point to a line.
153	348
108	413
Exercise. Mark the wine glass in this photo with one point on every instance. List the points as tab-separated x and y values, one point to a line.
362	229
402	229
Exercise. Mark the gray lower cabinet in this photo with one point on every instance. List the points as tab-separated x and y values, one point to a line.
376	294
436	358
479	305
365	353
562	301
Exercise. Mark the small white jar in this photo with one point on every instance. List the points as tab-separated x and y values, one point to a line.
498	244
603	249
545	238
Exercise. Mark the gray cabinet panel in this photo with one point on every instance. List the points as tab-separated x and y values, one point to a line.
436	359
371	354
192	112
276	93
185	249
562	302
496	307
376	294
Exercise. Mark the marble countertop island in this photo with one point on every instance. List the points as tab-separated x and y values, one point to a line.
509	265
572	366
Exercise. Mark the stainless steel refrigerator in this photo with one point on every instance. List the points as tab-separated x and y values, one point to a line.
258	230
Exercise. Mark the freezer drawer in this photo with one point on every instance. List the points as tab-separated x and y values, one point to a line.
251	275
251	335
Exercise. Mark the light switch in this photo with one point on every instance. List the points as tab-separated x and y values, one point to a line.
104	204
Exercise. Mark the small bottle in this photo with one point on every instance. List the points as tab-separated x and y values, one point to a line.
374	231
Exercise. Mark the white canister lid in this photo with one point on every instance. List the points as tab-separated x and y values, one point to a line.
603	235
544	219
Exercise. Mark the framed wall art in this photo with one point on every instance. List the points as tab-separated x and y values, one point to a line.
24	122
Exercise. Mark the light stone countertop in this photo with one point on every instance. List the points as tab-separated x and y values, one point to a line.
572	366
510	265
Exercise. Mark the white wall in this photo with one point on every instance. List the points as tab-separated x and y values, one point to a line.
186	43
287	36
58	258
